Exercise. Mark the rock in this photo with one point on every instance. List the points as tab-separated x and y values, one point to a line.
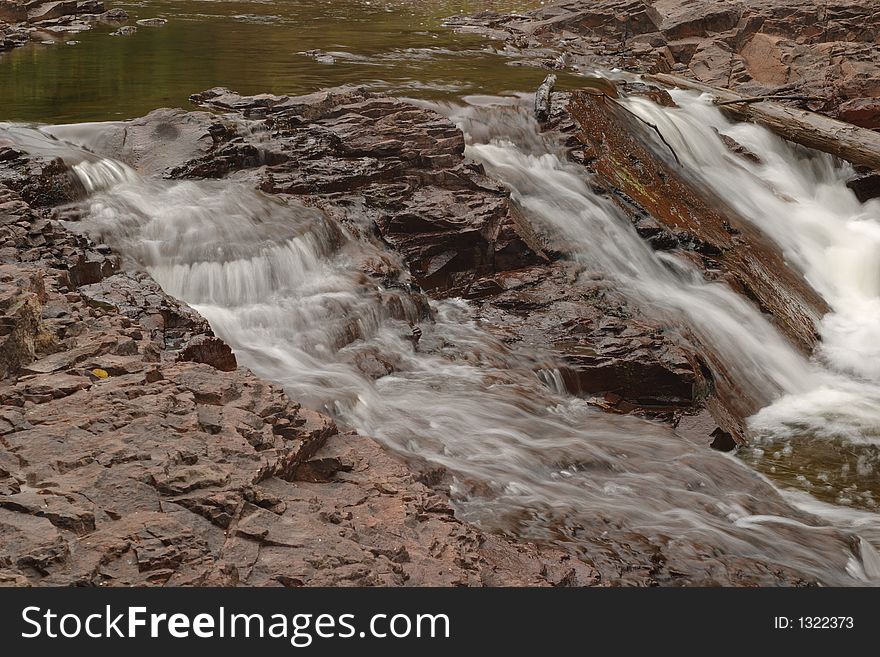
49	10
21	296
115	15
12	11
125	30
42	181
603	346
864	112
211	351
543	98
176	468
30	544
691	219
735	147
152	22
866	186
161	141
406	163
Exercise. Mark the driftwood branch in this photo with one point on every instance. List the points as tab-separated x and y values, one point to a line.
844	140
761	99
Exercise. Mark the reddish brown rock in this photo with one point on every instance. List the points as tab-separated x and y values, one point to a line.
210	351
607	351
406	163
168	471
866	186
459	235
864	112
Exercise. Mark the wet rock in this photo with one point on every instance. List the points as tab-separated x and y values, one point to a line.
603	346
115	15
691	220
543	98
13	12
211	351
195	475
404	163
864	112
41	181
160	141
735	147
402	167
866	186
459	235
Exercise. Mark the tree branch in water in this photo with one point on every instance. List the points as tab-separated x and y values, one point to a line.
759	99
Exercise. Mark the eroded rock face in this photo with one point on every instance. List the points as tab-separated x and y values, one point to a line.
609	352
690	217
403	163
163	462
826	50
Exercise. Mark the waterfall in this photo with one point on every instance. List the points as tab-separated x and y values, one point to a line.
282	283
800	200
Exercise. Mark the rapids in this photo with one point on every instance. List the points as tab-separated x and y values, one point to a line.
279	281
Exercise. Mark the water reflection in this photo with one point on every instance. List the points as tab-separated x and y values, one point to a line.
392	45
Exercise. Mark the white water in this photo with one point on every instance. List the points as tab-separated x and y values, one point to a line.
800	199
282	283
557	196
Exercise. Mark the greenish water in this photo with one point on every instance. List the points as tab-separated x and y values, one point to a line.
258	46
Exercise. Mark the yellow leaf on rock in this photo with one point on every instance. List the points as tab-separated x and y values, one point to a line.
101	374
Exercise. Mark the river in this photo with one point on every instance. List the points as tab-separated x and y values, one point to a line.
276	281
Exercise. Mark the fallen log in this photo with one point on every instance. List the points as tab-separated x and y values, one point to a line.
844	140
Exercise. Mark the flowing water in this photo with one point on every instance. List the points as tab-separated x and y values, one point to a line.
823	434
281	283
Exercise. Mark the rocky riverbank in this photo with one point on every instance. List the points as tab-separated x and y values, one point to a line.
827	54
794	54
24	21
